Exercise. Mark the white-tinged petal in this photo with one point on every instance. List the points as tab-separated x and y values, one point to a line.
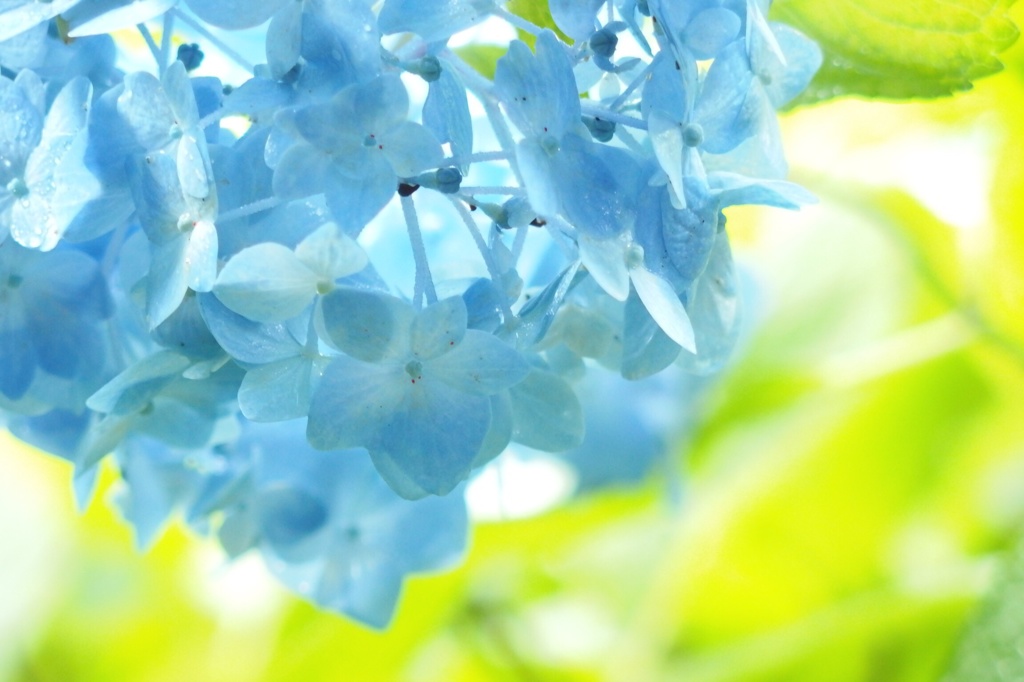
605	260
664	306
331	253
266	283
667	139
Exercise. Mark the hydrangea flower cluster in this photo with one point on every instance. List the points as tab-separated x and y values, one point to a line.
303	309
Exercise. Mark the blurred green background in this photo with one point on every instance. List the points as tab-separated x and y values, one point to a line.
853	499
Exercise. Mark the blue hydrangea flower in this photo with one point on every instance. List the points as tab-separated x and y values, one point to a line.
354	149
332	530
51	305
41	161
412	388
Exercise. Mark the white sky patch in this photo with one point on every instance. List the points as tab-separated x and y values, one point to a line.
949	171
514	488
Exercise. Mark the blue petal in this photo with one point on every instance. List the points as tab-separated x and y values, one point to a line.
546	413
576	18
106	16
664	305
144	106
284	39
597	186
710	30
354	201
277	391
720	108
432	20
539	91
235	14
136	386
167	281
733	189
367	325
301	172
243	339
352	402
716	311
646	348
410	148
446	114
439	327
21	126
480	364
19	359
432	437
201	256
330	253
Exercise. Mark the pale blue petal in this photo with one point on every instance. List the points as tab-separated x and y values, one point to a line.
353	402
481	364
688	237
432	20
194	170
177	85
21	127
266	283
539	91
438	328
535	164
235	14
433	435
355	201
201	256
277	391
576	18
367	325
167	279
720	108
664	305
733	189
330	253
605	260
243	339
597	186
132	389
301	172
107	16
284	39
716	312
710	30
803	59
500	433
667	139
546	413
410	148
373	108
446	114
646	348
24	15
144	106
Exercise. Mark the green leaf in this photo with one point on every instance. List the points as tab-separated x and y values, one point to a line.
901	50
537	13
990	648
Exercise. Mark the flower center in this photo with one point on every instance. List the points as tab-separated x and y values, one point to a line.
693	135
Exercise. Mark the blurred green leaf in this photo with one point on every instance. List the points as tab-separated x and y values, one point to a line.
901	50
483	58
537	13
